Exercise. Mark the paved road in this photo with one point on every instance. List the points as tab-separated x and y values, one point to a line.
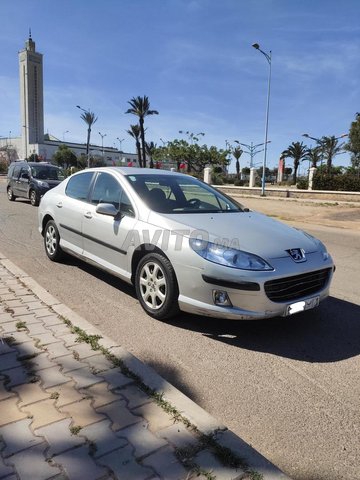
288	387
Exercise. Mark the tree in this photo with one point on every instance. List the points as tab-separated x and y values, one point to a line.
150	149
64	157
314	155
354	143
34	157
140	106
135	133
89	118
298	152
237	152
331	147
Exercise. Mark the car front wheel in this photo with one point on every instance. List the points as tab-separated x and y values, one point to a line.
52	242
156	286
10	194
34	198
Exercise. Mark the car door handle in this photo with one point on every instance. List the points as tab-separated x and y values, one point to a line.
87	215
59	204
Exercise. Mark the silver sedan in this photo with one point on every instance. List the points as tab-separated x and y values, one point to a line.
184	245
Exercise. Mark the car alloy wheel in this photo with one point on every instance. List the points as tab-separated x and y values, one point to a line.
52	242
10	194
34	198
156	286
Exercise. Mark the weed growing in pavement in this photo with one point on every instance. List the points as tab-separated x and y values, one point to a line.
54	395
75	429
20	326
224	454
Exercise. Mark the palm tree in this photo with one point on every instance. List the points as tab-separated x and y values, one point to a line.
314	155
150	149
298	152
89	118
135	133
140	106
331	148
237	152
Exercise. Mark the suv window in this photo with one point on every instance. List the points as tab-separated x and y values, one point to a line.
78	186
47	172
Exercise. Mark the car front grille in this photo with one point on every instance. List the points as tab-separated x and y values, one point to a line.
293	288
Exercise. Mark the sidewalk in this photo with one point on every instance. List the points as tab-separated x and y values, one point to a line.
74	405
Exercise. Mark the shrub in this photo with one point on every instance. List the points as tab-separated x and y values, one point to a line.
217	179
239	183
302	184
3	165
345	182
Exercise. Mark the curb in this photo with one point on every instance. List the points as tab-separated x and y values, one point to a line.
206	424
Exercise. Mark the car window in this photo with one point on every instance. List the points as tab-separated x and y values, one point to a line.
78	186
106	190
16	171
47	172
181	194
126	206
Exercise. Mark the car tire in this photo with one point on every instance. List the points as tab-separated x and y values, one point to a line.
52	242
156	286
34	198
10	194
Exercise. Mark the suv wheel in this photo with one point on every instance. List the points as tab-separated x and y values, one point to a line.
10	194
156	286
34	198
52	242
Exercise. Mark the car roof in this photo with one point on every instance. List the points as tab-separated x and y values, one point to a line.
126	171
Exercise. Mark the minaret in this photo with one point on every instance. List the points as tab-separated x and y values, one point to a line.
31	96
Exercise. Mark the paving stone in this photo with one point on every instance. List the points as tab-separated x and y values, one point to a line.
208	462
9	361
59	329
99	363
65	394
134	396
29	319
35	329
82	413
43	413
178	435
10	326
78	465
119	415
20	337
9	412
28	349
47	338
115	378
41	312
4	393
143	441
13	303
69	363
83	377
59	437
30	393
50	377
37	362
51	320
155	416
101	395
30	464
37	305
27	297
103	437
166	464
83	350
18	376
20	311
69	339
56	350
124	465
6	470
18	436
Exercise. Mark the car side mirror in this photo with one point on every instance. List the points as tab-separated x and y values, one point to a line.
107	209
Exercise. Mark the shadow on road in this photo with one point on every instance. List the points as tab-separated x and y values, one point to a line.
328	334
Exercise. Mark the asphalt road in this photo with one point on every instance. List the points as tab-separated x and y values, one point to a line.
289	387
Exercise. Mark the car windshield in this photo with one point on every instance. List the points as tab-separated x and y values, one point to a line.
47	172
180	194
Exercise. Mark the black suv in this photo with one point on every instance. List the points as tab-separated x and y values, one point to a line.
31	180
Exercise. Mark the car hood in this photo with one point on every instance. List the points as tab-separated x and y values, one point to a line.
249	231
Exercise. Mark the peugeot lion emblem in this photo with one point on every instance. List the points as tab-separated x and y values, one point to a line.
297	254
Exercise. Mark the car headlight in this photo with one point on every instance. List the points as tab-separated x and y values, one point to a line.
43	184
229	257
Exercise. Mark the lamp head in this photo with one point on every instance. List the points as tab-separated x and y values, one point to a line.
256	45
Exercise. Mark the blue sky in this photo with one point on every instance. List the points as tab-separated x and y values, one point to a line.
194	60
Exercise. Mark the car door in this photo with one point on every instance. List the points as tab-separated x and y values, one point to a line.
23	182
70	208
105	236
14	181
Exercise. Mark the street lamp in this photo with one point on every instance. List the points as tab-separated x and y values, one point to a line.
120	143
321	143
268	59
66	131
102	142
252	150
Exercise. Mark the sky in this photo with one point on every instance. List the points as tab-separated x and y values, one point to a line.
194	60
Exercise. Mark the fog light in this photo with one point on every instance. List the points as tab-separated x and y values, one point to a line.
221	298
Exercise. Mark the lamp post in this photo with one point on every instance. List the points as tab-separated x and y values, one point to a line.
102	135
64	133
120	143
321	143
268	59
252	150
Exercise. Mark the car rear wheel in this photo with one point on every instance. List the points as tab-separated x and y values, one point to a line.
156	286
10	194
52	242
34	198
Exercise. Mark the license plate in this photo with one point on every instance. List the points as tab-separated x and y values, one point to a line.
301	306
